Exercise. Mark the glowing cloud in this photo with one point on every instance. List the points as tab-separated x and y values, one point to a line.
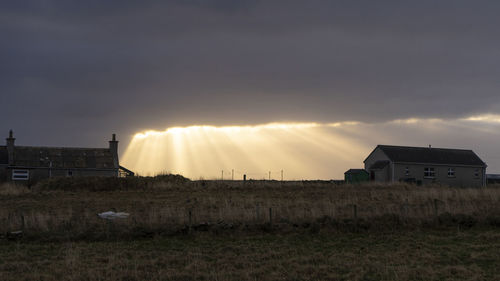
488	118
297	149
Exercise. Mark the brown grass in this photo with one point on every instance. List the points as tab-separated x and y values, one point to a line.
317	231
164	207
446	254
8	188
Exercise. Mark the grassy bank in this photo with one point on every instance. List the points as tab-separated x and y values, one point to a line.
257	230
445	254
53	210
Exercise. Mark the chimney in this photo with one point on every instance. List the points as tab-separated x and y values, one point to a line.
10	147
113	147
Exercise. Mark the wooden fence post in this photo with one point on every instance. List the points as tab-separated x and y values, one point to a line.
271	216
436	207
257	212
190	221
355	211
406	208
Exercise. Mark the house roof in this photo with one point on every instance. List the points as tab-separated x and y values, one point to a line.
379	165
355	171
428	155
4	157
59	157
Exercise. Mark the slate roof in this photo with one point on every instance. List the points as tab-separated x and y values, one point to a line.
444	156
355	171
379	165
88	158
4	156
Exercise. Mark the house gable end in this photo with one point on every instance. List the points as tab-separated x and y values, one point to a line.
374	151
375	156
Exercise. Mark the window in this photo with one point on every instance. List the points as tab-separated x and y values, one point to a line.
20	175
451	172
476	173
429	173
407	171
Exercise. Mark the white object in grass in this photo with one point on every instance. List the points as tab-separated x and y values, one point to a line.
110	215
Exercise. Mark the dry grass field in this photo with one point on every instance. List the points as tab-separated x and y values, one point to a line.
257	230
445	254
67	209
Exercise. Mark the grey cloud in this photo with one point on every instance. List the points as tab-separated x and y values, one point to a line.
129	65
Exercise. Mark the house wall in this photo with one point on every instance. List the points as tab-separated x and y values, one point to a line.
464	176
383	175
3	173
43	173
376	155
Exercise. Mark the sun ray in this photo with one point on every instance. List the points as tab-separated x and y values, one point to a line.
302	150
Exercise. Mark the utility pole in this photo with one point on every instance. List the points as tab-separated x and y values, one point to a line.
281	175
232	174
269	175
46	159
222	177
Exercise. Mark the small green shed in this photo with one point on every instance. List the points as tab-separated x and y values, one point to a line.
356	176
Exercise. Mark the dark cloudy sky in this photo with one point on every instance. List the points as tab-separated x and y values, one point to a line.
73	72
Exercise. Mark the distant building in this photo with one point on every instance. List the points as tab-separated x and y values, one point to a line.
492	178
423	165
32	163
356	176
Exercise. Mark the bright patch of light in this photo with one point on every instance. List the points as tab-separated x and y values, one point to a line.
413	121
300	150
488	118
306	150
207	128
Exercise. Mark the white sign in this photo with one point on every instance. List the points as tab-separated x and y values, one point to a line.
20	175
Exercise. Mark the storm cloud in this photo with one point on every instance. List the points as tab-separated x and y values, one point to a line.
73	72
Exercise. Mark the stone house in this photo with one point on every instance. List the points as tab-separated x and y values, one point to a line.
424	165
32	163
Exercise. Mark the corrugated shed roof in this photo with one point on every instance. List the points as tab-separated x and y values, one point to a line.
4	156
355	171
493	176
63	157
432	155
